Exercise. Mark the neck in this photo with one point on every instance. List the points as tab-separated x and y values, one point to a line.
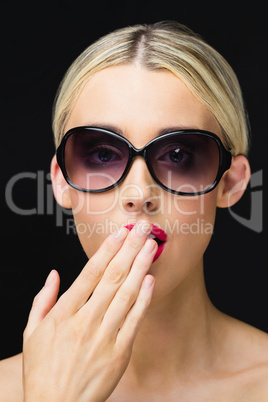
177	332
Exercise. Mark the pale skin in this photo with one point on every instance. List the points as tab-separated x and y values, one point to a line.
149	332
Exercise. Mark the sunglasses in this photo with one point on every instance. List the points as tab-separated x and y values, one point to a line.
186	162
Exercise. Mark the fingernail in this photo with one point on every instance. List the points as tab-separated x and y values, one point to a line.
50	278
150	245
120	234
148	281
143	228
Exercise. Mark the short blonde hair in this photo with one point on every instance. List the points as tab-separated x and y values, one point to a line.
165	45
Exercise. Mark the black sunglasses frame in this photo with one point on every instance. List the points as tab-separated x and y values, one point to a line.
225	158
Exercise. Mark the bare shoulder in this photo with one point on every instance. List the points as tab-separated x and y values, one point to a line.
258	372
249	349
11	379
251	340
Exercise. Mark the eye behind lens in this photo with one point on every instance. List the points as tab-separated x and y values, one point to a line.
185	163
95	160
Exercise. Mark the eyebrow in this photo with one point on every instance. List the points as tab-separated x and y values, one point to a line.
109	127
166	130
176	128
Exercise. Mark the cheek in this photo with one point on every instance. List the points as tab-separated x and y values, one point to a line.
91	212
192	216
98	204
197	224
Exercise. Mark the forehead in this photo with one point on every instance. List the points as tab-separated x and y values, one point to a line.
139	103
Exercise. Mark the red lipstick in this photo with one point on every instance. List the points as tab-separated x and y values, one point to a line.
158	235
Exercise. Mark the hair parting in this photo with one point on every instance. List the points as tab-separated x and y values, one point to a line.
169	46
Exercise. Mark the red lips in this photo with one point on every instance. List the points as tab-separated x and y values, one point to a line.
158	235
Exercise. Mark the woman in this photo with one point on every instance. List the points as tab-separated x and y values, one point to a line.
151	137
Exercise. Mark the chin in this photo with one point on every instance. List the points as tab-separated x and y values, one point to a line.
170	273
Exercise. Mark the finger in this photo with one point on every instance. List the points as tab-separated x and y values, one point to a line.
78	293
43	302
136	315
116	272
129	291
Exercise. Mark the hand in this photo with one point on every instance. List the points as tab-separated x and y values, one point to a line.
77	348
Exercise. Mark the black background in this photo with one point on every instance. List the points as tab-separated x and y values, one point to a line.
40	40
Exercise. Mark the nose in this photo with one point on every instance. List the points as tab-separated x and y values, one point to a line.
139	192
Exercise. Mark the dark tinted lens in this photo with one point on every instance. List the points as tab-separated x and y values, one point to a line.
94	159
187	163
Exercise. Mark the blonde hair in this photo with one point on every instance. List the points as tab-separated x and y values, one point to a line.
165	45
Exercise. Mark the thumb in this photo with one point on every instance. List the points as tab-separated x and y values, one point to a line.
43	302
